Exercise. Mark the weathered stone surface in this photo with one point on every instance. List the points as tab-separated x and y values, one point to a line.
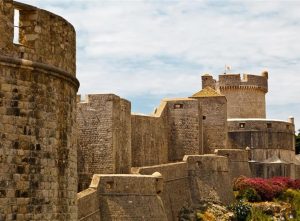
43	36
237	162
185	125
214	111
209	178
124	197
149	139
176	191
104	137
264	137
245	97
38	162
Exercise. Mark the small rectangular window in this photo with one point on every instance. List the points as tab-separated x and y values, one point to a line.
16	26
269	125
178	106
204	117
242	125
287	126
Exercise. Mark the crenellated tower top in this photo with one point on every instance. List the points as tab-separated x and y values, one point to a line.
245	93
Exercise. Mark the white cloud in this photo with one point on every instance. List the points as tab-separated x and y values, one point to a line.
154	47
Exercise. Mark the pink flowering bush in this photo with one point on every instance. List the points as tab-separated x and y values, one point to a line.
267	189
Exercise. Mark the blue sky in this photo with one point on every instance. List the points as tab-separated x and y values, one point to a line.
147	50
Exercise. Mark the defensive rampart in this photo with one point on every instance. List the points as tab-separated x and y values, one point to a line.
209	178
176	192
38	162
264	137
122	198
149	138
237	162
157	192
185	128
214	119
104	136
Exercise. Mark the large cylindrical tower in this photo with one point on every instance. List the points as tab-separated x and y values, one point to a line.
38	158
246	96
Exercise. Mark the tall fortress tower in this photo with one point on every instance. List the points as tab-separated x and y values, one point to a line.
38	158
245	95
270	141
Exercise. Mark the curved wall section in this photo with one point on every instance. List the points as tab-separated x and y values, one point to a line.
43	36
38	157
245	96
264	137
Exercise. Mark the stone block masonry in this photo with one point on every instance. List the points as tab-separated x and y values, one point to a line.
245	95
266	138
237	162
209	178
104	137
214	111
46	141
185	125
149	140
38	162
157	192
123	198
176	190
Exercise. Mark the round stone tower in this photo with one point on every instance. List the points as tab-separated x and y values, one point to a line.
246	96
38	159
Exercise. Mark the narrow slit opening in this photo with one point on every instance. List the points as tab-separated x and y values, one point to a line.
16	26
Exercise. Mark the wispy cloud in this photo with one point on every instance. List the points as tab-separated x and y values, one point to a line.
149	49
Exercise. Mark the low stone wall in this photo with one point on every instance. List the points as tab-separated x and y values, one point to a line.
122	198
209	178
176	191
88	205
237	160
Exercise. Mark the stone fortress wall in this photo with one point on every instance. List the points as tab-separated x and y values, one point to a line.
104	136
157	192
38	161
271	143
171	140
129	166
111	140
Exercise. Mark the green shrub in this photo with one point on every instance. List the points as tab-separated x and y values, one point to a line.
293	197
250	195
240	210
258	215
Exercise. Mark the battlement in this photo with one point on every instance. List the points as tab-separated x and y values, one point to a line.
96	99
245	93
237	81
246	81
42	36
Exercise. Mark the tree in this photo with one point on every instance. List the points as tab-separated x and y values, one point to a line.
298	142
